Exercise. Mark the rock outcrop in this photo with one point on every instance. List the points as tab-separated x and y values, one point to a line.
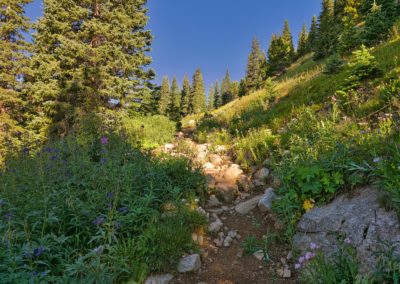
357	217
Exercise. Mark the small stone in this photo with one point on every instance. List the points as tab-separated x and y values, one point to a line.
246	206
208	166
215	226
168	147
284	272
221	235
232	234
218	242
262	174
259	255
216	160
290	255
195	237
265	203
213	201
227	241
159	279
189	263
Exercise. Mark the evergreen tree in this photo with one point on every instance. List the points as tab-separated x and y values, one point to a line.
13	63
185	96
255	65
379	20
303	42
348	18
88	52
288	42
242	88
211	99
217	95
175	101
226	94
235	90
313	34
277	53
165	97
198	94
327	37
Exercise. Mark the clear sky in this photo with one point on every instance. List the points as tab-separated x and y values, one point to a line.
213	34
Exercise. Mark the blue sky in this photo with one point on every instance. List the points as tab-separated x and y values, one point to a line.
214	35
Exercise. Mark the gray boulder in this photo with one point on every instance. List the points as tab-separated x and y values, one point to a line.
248	205
265	203
357	217
189	263
159	279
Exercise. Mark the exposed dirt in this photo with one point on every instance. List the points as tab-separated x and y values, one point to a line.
231	266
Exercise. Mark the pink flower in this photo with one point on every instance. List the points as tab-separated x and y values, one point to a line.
104	140
334	99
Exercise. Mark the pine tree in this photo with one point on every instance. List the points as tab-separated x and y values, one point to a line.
226	94
303	42
175	101
242	88
217	95
211	99
198	94
287	39
379	20
185	96
235	90
165	97
13	63
277	52
88	52
348	18
313	34
327	37
255	65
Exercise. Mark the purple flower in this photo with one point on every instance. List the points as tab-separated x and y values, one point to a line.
301	259
104	140
377	160
123	210
117	226
99	221
38	251
110	195
297	266
347	241
103	160
309	255
8	216
314	246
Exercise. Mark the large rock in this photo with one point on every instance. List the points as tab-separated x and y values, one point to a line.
159	279
357	217
232	173
189	263
265	203
248	205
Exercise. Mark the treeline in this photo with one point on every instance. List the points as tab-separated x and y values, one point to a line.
85	56
341	27
176	102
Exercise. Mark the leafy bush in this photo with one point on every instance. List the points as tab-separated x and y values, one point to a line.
90	211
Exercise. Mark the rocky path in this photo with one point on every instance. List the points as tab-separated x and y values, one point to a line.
238	210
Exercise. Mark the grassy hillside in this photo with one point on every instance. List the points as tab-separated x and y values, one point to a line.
321	133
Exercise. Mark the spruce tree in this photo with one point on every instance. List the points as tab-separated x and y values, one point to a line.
327	37
165	97
348	17
198	94
303	42
277	53
13	64
226	94
185	96
211	99
287	39
175	101
88	52
217	95
313	34
235	90
255	64
242	88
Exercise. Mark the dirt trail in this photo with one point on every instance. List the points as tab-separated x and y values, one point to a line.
224	260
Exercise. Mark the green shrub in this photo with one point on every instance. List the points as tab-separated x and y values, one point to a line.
75	210
334	64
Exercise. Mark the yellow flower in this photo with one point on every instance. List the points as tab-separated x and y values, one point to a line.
308	204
